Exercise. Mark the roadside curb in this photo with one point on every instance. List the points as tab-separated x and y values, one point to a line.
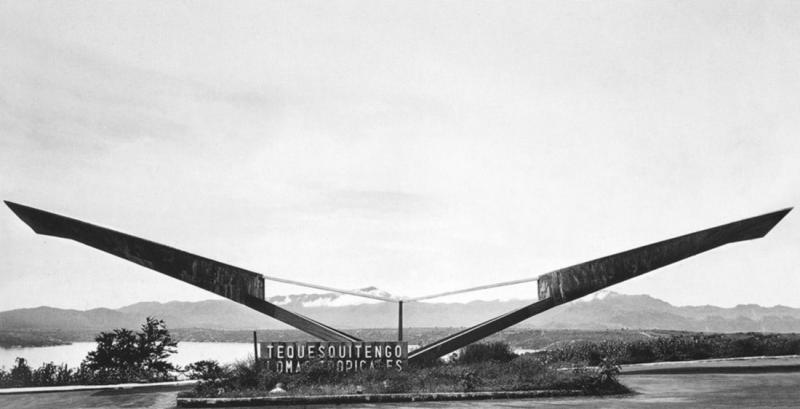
369	398
72	388
713	370
753	364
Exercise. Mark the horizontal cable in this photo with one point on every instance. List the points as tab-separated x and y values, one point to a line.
326	288
397	299
466	290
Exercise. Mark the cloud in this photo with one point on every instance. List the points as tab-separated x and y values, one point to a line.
58	96
413	144
61	96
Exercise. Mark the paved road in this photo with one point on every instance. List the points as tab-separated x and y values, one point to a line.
156	398
769	390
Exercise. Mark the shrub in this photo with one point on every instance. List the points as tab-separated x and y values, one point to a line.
21	374
526	372
608	370
469	380
206	370
317	373
679	347
245	375
50	374
639	352
530	370
120	356
484	352
125	356
435	377
396	382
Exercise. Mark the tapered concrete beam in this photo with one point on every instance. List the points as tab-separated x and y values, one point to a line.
240	285
573	282
561	286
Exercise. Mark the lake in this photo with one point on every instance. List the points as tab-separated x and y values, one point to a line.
188	352
73	354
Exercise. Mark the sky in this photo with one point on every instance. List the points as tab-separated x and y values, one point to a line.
414	146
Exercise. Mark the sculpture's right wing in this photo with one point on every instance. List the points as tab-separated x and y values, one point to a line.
571	283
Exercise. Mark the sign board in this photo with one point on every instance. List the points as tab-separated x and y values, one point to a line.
292	357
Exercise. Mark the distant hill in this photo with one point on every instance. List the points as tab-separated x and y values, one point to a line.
614	311
607	310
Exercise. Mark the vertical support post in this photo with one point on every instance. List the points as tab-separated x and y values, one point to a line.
400	320
255	347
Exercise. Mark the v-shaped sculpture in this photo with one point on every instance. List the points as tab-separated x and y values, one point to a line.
247	287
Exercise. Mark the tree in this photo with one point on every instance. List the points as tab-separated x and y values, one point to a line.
21	373
484	352
205	370
155	346
123	355
51	374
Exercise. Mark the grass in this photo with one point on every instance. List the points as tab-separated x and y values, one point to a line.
676	347
482	367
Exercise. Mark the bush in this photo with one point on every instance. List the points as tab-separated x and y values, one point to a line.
469	380
21	374
530	371
206	370
680	347
396	382
50	374
317	373
484	352
526	372
608	370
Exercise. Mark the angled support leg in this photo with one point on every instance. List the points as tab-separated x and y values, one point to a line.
562	286
242	286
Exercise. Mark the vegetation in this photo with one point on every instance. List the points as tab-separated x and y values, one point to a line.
205	370
49	374
127	356
485	352
591	366
480	367
120	356
680	347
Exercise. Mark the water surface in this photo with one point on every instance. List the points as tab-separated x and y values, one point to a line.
73	354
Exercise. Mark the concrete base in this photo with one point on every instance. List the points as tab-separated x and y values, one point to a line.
368	398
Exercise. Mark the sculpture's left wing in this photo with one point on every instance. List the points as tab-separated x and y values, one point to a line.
237	284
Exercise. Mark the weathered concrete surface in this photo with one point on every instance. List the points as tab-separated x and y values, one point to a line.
243	286
570	283
467	336
369	398
573	282
222	279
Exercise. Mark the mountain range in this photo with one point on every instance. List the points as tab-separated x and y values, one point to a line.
605	310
